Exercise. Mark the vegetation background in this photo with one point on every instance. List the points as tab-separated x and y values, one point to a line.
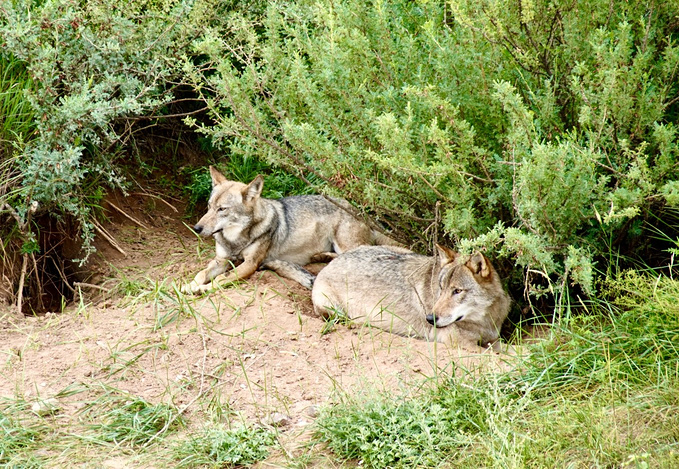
542	132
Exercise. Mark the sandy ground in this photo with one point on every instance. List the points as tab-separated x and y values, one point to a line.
252	351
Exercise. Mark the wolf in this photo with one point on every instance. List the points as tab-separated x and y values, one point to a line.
455	299
252	232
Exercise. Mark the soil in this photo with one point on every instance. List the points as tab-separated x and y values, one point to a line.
254	351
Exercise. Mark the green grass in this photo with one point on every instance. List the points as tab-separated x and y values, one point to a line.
17	125
16	114
127	420
20	435
602	392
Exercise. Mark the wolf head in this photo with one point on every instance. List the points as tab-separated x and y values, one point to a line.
469	294
230	208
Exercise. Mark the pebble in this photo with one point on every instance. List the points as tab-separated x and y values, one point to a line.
45	407
278	419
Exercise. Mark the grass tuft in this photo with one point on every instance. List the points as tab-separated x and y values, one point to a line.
123	419
19	437
335	316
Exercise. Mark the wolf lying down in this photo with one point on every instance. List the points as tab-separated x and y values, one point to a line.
458	299
252	232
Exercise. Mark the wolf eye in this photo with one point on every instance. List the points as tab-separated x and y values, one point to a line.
457	291
221	209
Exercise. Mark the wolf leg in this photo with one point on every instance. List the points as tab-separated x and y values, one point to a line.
243	271
292	271
323	257
216	267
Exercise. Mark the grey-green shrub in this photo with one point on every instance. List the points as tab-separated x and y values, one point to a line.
96	66
533	129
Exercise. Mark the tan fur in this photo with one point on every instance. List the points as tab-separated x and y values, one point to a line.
458	300
252	232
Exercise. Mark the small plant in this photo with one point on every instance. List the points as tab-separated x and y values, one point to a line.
396	432
226	447
336	316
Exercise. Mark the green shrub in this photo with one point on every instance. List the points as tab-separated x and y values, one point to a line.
535	129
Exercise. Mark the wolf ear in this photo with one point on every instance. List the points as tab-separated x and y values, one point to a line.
446	255
217	177
254	189
479	265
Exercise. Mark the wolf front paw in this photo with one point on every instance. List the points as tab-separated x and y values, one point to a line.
194	288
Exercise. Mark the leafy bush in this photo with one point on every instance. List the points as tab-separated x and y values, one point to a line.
540	130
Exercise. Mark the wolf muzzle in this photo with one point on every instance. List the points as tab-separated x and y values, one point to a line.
200	229
431	319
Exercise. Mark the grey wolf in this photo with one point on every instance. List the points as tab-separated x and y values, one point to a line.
455	299
252	232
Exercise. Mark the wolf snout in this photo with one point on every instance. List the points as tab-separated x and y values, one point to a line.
198	229
443	322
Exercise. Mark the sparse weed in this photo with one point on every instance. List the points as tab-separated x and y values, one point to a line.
127	287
